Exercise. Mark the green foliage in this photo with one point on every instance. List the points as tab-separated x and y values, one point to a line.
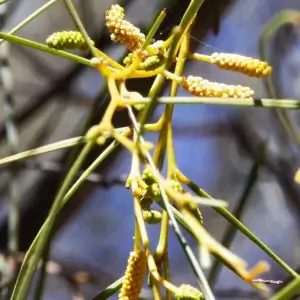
146	59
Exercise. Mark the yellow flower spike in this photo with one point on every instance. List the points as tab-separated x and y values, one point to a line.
203	88
243	64
67	40
123	31
188	292
152	216
134	276
115	11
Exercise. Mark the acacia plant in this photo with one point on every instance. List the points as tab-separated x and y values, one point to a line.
177	195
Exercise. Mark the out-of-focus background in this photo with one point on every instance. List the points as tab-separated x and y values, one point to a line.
215	145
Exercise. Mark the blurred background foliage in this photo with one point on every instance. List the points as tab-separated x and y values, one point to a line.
216	146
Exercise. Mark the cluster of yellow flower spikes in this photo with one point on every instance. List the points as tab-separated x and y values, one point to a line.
123	31
203	88
130	36
243	64
134	276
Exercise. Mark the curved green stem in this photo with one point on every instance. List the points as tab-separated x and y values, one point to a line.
43	149
71	8
110	290
289	291
247	232
33	255
44	48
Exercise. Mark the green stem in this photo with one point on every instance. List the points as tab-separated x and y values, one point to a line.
262	103
190	13
289	291
72	10
153	31
30	18
166	138
158	83
44	149
44	48
183	243
21	287
235	222
157	87
33	255
110	290
183	52
40	286
76	141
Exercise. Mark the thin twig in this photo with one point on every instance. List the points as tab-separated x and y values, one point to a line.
72	10
44	48
110	290
43	149
37	247
259	102
186	248
247	232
